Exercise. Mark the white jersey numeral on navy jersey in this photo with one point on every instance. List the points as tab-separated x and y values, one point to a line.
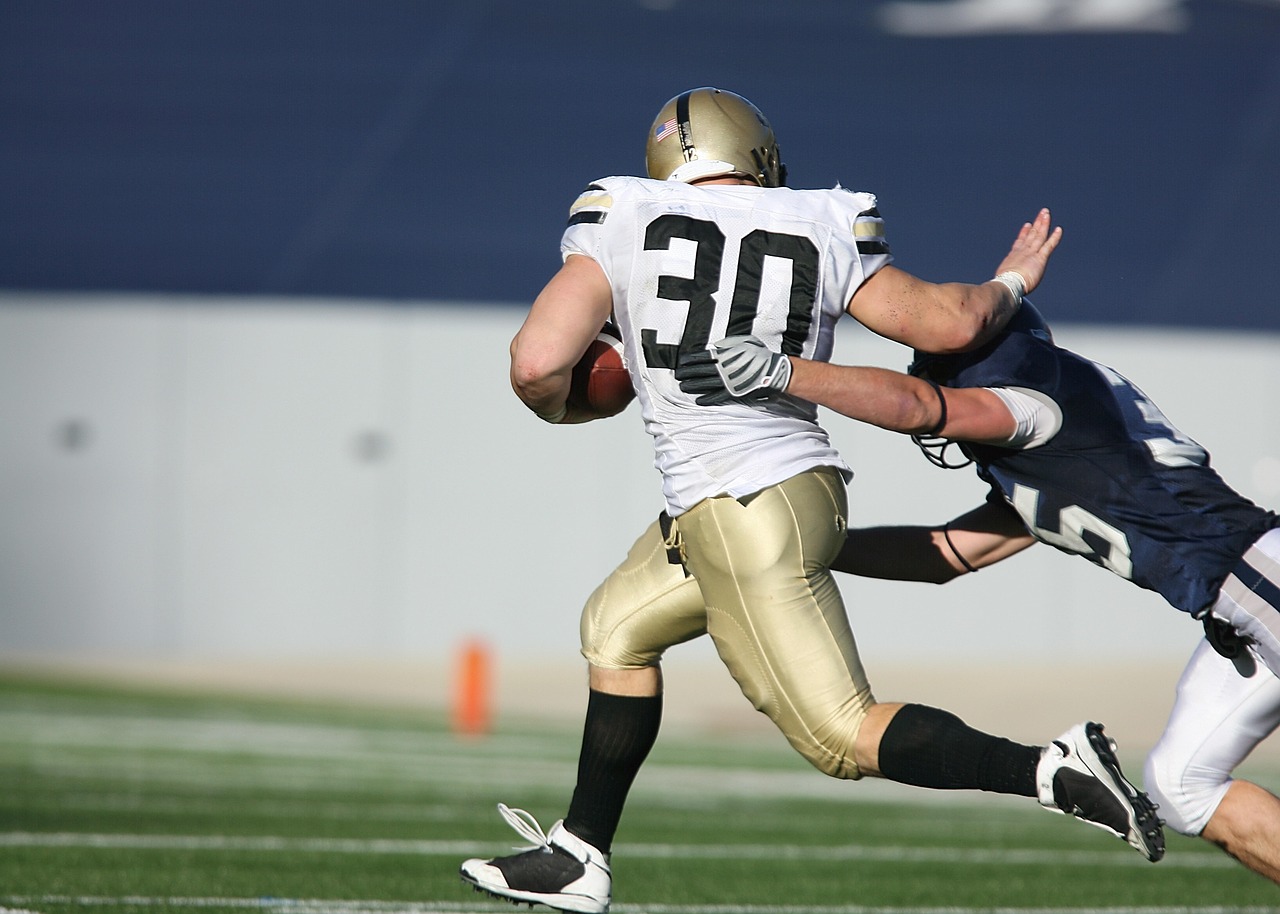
1172	450
1073	522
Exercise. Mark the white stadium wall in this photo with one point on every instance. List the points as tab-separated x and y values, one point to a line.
194	479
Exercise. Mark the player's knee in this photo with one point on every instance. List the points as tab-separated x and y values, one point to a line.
1187	794
603	648
827	759
828	745
610	645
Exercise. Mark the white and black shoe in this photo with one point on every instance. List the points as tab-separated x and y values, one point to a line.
560	871
1080	775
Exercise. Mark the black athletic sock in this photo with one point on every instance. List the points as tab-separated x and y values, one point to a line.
616	738
928	747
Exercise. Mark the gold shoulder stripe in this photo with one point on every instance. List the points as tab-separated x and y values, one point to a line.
868	232
591	200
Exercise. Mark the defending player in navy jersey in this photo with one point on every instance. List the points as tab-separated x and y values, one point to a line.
1078	457
713	242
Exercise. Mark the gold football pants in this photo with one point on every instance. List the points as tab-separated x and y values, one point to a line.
759	583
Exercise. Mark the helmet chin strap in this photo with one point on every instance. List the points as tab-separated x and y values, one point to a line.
707	168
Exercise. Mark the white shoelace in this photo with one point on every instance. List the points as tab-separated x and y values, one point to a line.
525	825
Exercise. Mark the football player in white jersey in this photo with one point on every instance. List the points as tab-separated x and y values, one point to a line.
711	244
1078	457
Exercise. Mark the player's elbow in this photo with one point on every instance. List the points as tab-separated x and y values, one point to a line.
530	378
522	388
920	411
532	384
533	368
970	328
898	403
525	376
973	319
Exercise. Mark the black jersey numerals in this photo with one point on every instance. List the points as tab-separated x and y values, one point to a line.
699	290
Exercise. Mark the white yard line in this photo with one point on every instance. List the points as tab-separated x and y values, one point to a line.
878	854
322	906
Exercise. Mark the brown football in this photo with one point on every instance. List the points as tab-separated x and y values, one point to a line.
601	384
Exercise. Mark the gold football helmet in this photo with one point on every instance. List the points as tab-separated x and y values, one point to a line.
710	133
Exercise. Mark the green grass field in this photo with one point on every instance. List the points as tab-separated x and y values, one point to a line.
119	801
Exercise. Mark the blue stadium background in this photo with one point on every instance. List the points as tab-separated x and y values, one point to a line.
415	151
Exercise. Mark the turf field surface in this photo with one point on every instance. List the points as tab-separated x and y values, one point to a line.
116	800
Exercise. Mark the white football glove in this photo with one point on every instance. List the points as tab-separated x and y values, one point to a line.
749	368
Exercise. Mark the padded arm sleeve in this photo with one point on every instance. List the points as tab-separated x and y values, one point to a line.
1037	416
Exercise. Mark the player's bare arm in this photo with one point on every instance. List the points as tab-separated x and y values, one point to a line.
742	366
955	317
564	319
981	537
902	403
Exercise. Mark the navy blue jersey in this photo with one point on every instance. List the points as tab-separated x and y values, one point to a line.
1118	483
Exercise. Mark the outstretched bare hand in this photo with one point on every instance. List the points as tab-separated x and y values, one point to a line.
1031	249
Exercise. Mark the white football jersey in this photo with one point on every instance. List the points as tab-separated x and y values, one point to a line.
690	265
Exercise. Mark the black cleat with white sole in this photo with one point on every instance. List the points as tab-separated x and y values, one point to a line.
1079	775
560	870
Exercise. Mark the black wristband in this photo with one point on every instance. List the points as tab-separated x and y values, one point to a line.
946	535
942	415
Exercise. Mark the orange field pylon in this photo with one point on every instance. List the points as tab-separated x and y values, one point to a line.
472	698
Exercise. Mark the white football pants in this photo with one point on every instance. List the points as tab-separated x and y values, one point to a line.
1223	709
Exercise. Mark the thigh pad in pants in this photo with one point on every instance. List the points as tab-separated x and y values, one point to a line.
776	615
646	605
